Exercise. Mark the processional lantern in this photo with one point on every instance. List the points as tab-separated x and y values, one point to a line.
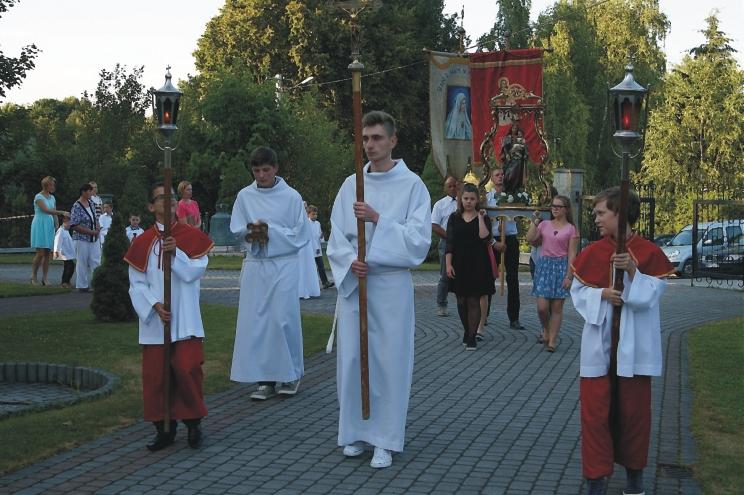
165	108
165	103
628	100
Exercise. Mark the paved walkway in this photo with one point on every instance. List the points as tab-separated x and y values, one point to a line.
503	419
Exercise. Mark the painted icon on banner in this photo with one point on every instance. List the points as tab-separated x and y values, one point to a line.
457	125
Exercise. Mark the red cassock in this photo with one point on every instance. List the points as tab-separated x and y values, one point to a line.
615	411
187	356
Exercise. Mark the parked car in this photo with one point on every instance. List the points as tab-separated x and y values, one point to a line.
663	239
714	237
728	261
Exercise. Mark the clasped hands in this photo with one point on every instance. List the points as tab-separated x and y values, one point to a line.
258	232
622	261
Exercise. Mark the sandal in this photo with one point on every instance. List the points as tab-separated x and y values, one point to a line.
551	348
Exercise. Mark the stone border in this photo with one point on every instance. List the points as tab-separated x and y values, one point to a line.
91	383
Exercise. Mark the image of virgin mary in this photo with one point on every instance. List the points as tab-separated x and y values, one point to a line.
457	125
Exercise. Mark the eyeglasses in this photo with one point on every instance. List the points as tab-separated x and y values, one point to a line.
161	197
557	206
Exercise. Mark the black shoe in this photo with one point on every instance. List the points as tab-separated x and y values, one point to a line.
328	285
162	439
634	482
596	487
195	436
515	325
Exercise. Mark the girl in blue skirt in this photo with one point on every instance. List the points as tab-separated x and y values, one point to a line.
559	239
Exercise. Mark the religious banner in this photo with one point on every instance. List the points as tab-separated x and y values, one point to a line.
514	79
449	113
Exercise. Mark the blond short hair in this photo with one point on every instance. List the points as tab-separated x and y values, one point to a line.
47	181
182	186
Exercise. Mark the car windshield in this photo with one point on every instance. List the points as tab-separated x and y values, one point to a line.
683	238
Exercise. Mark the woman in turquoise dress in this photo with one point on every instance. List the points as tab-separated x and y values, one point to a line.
43	227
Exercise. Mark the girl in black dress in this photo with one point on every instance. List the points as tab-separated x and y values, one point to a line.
467	262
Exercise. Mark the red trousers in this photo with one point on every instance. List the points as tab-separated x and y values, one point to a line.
615	423
186	377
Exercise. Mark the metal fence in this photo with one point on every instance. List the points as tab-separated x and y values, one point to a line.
717	250
645	226
15	231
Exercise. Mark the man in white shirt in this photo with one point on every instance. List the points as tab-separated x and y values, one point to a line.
509	249
440	214
398	235
96	199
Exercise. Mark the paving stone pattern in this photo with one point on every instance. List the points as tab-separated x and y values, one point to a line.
16	397
503	419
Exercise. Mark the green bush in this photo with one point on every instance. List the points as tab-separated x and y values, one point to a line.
111	280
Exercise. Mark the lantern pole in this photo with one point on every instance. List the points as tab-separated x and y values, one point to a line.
628	96
166	116
354	9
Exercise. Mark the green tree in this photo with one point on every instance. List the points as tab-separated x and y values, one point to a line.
13	69
695	137
512	28
110	282
593	41
299	38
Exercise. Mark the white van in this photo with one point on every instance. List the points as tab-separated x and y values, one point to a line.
714	236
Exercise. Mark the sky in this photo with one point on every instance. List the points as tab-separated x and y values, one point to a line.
78	38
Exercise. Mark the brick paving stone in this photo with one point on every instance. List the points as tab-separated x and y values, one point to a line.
501	420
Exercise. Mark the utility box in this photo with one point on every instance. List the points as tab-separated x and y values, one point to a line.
219	228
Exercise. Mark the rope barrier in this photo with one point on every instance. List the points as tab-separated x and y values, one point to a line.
16	217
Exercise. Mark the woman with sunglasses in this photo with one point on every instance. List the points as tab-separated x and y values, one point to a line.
559	239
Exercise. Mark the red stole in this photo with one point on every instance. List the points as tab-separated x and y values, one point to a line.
593	268
192	241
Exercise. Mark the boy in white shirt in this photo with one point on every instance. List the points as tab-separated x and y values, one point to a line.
105	221
133	229
64	249
316	238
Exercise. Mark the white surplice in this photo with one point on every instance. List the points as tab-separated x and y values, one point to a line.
309	284
268	337
639	348
146	289
399	241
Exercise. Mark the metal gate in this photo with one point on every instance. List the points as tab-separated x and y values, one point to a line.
645	226
718	242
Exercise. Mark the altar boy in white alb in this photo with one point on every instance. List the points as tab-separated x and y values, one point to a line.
398	234
270	217
188	248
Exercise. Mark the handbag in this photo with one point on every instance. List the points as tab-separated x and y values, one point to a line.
494	264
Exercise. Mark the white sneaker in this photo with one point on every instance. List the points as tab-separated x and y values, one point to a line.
381	459
263	392
354	449
289	388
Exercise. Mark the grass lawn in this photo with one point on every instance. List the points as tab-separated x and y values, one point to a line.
21	259
17	289
76	338
216	261
717	379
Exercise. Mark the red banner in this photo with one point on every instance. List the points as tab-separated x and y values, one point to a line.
516	75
